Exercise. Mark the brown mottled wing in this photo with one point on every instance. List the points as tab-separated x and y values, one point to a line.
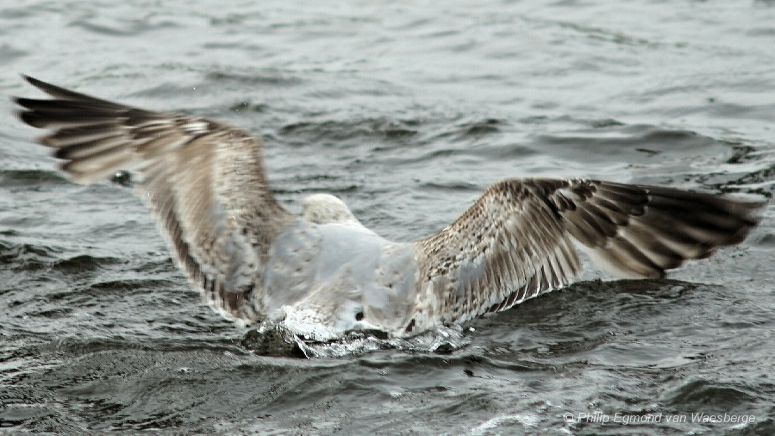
514	243
203	180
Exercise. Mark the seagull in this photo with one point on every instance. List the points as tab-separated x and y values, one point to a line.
322	273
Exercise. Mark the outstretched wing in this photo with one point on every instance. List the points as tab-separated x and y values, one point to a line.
203	180
515	242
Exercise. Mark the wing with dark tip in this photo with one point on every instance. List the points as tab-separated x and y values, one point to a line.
203	180
515	242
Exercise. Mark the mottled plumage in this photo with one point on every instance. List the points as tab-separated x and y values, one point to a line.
323	273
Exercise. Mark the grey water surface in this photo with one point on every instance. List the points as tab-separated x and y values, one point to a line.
407	111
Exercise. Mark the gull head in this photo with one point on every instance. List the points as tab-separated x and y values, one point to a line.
326	208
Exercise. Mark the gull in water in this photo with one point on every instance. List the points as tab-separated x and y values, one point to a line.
322	273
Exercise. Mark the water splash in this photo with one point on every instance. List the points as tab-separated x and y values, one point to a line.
277	340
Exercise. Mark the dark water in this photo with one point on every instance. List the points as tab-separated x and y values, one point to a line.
407	111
